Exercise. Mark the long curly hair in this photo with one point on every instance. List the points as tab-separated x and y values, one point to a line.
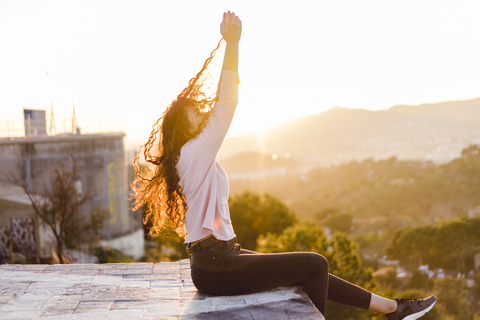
156	188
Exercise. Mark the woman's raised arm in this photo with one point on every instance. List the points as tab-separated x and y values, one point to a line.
231	30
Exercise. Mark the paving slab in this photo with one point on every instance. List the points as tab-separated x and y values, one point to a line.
135	291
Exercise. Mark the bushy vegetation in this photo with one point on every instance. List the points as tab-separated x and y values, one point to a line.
450	245
417	190
111	255
168	246
253	215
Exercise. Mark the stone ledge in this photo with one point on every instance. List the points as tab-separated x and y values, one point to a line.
134	291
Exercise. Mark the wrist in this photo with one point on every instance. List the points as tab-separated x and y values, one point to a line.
232	41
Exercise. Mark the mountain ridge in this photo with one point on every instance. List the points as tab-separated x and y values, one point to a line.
341	134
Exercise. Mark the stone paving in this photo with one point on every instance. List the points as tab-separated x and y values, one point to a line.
134	291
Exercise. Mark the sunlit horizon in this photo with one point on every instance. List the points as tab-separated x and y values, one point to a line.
127	60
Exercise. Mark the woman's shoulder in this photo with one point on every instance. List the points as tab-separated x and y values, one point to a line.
194	150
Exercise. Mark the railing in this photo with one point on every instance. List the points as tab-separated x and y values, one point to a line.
16	126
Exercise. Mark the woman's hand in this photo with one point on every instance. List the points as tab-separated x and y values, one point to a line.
231	27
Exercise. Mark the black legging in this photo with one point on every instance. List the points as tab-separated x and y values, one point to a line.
223	268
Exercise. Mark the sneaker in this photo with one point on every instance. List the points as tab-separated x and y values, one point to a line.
410	309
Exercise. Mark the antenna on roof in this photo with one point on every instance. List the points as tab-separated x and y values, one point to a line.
52	128
74	121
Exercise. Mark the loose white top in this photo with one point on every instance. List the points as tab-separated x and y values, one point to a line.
204	183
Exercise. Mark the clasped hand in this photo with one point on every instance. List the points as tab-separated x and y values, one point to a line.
231	27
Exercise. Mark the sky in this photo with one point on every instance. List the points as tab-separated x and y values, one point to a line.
124	61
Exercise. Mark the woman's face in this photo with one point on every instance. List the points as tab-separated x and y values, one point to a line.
195	118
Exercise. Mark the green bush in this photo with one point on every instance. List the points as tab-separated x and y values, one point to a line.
110	255
388	280
452	297
420	280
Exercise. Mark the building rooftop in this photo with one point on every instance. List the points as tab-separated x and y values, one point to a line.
61	137
134	291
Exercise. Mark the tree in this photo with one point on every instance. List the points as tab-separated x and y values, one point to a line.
341	222
387	279
411	246
452	295
420	280
450	246
325	213
253	215
58	206
88	231
304	236
471	160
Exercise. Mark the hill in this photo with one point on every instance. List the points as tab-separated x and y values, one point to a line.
435	132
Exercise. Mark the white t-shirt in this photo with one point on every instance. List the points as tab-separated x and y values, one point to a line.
204	183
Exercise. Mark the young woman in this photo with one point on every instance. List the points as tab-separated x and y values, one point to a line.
187	186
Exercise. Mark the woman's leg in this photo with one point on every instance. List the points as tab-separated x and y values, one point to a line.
259	272
225	272
344	292
382	305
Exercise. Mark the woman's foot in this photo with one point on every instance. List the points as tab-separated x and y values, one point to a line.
411	309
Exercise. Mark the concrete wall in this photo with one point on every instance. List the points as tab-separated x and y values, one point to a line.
102	169
130	244
10	210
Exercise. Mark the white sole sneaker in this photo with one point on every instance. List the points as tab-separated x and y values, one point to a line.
420	313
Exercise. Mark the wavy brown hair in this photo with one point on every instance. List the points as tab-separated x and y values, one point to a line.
156	187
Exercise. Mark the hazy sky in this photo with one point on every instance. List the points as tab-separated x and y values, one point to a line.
128	59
